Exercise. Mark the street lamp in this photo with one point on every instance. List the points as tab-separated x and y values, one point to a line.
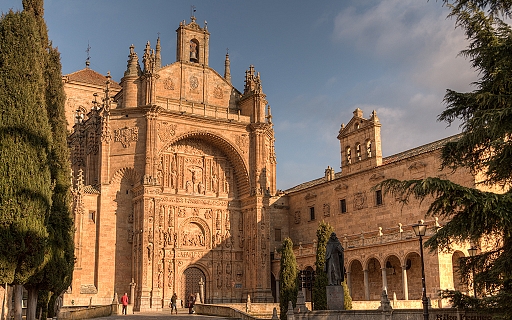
419	230
472	252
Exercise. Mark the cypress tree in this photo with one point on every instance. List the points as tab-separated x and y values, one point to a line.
319	292
347	303
54	276
25	140
288	287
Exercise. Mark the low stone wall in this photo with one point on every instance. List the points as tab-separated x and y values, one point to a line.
223	311
401	314
396	304
87	313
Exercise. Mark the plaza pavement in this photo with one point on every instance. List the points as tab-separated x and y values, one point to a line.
162	315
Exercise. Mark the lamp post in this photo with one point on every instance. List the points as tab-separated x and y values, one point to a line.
419	230
472	252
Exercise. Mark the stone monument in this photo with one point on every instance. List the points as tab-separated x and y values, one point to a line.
335	270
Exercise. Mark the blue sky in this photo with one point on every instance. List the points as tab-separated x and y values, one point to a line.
318	60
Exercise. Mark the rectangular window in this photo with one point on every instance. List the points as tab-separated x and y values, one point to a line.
277	234
378	197
92	216
312	213
343	206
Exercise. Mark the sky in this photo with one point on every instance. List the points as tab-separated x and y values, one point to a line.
318	61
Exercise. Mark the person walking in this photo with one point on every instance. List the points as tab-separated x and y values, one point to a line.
124	301
191	300
173	306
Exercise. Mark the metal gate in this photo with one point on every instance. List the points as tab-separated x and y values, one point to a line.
191	278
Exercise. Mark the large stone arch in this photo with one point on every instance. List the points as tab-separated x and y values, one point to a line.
128	173
231	152
203	225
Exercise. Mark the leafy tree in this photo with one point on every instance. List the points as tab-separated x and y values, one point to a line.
485	146
288	287
319	292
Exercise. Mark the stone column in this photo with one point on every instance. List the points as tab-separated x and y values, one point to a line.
201	290
277	290
132	291
384	279
404	282
366	285
349	283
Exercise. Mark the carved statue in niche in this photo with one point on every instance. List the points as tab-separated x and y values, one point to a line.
150	251
228	268
227	239
227	222
208	214
239	273
187	186
150	234
160	274
195	212
218	237
219	282
170	221
241	240
215	181
173	173
218	220
200	187
228	281
170	273
219	268
182	212
159	172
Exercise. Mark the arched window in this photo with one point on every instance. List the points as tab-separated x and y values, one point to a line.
349	156
369	148
194	50
358	151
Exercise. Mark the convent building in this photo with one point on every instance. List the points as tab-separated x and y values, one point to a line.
174	173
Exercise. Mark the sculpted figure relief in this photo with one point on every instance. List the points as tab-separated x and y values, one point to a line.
334	261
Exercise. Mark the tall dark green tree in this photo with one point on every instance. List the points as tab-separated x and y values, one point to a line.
55	274
288	287
319	292
485	146
25	142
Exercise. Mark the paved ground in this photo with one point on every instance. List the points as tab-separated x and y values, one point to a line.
163	315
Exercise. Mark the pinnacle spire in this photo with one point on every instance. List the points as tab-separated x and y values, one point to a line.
227	68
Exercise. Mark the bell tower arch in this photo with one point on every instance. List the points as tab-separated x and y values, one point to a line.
193	43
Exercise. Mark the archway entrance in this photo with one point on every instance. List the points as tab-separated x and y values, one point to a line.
190	283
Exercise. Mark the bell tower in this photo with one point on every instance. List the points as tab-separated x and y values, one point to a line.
193	43
360	143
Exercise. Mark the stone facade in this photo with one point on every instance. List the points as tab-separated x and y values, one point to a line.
174	168
381	249
175	191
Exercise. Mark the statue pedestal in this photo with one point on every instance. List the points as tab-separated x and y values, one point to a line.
335	298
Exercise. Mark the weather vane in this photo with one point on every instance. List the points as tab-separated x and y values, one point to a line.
87	61
192	12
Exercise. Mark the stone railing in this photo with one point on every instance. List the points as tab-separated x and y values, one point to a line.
186	107
363	239
411	314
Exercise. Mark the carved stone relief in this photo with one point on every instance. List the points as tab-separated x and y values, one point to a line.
166	131
126	135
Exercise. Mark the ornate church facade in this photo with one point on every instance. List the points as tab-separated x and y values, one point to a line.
175	191
174	170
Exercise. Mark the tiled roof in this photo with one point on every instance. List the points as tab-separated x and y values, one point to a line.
91	190
429	147
90	76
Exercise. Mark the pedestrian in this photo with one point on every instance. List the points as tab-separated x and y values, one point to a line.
124	301
173	306
191	301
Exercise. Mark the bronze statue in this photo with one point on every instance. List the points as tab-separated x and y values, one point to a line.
334	261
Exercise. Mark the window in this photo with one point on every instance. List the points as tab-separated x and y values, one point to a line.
343	206
312	213
277	234
358	152
92	216
378	197
369	149
194	50
349	156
